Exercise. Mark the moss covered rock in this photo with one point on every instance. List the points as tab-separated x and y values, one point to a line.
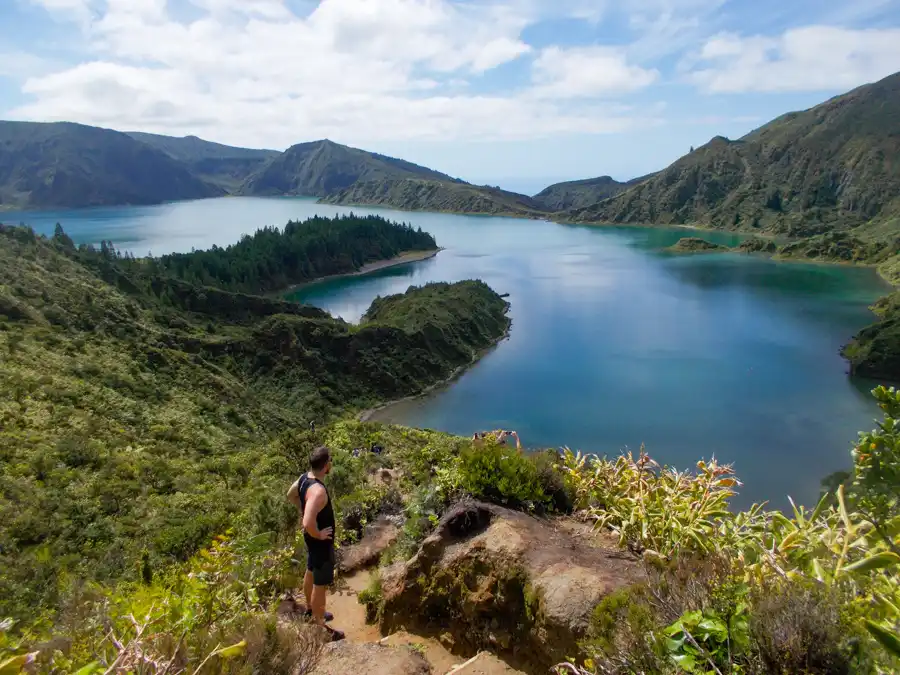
696	245
503	580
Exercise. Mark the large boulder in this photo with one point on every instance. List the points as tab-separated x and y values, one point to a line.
491	578
349	658
378	536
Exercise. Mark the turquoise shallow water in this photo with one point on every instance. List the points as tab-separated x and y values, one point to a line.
614	342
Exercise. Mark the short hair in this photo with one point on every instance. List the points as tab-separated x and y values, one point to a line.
319	458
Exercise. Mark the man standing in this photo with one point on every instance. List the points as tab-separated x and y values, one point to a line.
312	500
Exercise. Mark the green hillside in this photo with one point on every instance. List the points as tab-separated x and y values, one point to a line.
222	165
578	194
72	165
135	409
832	167
413	194
321	168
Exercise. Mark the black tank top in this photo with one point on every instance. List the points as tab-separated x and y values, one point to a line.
324	519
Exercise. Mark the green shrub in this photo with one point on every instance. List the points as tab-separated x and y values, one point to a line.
373	598
360	507
558	490
620	624
422	512
500	474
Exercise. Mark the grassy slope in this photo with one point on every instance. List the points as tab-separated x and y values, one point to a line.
130	423
71	165
435	195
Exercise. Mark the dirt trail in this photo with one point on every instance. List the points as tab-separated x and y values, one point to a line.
350	617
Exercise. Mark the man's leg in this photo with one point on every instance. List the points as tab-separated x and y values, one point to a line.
308	588
323	577
319	594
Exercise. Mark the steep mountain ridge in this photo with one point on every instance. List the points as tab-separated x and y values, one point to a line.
576	194
834	166
321	168
223	165
413	194
69	165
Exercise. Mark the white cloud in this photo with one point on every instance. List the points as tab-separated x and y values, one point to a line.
668	27
813	58
587	72
253	72
80	10
19	65
63	5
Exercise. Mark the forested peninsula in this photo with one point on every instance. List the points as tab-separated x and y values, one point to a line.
272	259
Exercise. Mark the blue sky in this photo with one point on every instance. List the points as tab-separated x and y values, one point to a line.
518	93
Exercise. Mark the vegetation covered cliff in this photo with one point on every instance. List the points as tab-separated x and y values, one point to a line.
875	351
830	168
138	411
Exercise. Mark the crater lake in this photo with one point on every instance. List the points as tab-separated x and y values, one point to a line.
614	343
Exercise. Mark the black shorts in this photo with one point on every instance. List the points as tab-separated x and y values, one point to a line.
320	561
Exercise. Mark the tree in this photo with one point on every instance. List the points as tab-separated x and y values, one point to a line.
876	482
60	237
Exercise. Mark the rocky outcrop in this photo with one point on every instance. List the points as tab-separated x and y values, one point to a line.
503	580
696	245
377	537
348	658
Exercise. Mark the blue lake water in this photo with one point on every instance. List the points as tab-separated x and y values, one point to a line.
614	342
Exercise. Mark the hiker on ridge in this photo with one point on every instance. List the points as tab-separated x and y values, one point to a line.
312	500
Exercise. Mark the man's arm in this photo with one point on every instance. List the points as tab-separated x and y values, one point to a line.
293	496
316	498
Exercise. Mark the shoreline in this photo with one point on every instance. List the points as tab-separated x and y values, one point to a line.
366	414
402	259
520	215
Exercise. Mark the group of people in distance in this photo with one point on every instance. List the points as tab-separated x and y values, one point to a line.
313	502
498	436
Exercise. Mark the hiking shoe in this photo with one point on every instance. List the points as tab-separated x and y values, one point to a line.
336	635
328	615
